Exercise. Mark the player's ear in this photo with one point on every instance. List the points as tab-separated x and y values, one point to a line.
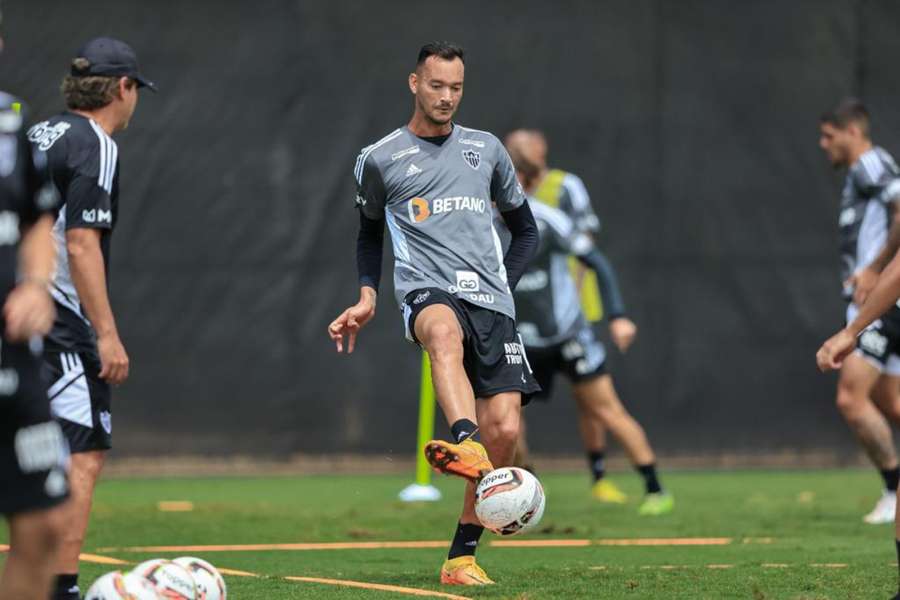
413	82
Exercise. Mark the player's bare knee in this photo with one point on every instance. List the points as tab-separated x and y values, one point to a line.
850	401
501	432
443	341
37	537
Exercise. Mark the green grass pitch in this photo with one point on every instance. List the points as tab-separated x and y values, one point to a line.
818	546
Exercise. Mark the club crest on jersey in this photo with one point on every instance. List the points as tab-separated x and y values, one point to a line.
472	158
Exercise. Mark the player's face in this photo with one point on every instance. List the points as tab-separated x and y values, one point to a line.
835	142
438	86
129	93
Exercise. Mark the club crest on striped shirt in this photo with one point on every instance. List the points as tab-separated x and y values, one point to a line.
472	158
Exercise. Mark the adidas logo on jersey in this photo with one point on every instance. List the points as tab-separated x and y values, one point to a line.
413	170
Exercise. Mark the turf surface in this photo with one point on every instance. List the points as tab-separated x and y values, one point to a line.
793	535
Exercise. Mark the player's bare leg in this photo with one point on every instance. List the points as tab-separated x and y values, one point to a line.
600	404
75	514
523	453
857	382
886	396
438	330
597	400
593	436
34	540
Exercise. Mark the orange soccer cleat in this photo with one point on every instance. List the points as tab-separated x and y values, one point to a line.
468	459
462	570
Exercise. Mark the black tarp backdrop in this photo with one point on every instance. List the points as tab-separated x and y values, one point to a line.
692	123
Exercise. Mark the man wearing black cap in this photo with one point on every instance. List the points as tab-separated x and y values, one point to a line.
84	354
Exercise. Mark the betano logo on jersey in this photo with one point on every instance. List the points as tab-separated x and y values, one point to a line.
420	208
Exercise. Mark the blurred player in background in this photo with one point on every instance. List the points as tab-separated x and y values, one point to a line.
84	353
565	191
433	182
869	383
33	453
558	337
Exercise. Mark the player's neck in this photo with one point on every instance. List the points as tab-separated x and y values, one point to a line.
860	149
422	126
101	117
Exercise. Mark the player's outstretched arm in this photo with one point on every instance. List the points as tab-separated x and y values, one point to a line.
89	276
353	319
369	245
29	309
884	295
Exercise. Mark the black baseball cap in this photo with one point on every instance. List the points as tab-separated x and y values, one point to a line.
109	57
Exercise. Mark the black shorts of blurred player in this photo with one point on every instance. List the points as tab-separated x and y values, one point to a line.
494	357
81	401
33	462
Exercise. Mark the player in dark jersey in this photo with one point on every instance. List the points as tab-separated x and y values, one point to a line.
870	235
85	355
559	339
32	449
433	183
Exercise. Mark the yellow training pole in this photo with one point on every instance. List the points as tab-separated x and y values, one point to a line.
422	490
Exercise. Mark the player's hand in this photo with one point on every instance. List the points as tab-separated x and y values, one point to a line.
623	331
831	355
862	283
352	320
28	311
114	362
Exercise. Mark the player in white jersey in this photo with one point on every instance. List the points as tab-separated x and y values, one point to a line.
870	235
433	183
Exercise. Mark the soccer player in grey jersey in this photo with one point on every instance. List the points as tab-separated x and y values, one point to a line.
558	338
433	182
870	235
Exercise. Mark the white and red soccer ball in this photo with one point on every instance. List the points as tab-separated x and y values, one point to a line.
509	501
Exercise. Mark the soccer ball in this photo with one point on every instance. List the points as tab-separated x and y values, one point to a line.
210	584
122	586
509	501
170	580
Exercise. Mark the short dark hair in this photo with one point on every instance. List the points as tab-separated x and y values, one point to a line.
850	110
445	50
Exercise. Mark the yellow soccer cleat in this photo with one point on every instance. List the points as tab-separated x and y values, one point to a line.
468	459
607	491
657	504
462	570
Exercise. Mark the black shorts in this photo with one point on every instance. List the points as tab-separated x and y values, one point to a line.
493	353
879	344
79	399
581	358
33	454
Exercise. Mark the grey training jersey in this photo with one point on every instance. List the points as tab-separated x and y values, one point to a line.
436	200
871	184
547	298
